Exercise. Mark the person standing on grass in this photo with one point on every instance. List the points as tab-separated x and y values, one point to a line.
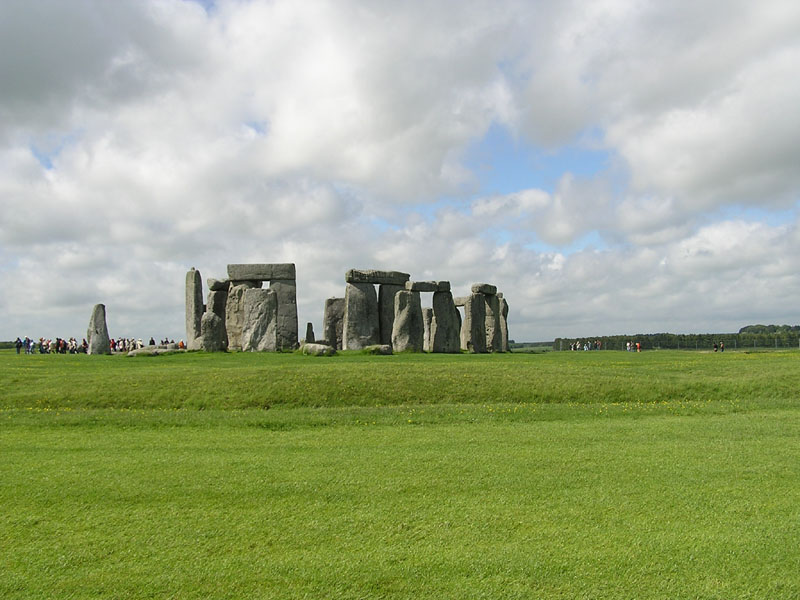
715	346
18	344
722	346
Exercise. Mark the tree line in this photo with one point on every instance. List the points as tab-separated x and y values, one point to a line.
752	336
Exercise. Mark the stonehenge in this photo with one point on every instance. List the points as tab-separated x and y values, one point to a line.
240	314
379	309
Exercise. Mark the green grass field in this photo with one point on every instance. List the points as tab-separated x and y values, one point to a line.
559	475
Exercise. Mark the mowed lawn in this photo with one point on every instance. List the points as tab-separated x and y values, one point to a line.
566	475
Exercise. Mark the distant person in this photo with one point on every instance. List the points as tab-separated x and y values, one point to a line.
722	346
715	347
18	345
152	342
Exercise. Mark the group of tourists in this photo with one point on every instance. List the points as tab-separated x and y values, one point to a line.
50	346
720	347
587	345
633	347
72	346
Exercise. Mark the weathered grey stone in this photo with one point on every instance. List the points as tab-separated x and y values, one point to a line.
408	332
262	272
494	340
260	317
484	288
194	306
460	300
422	286
286	289
212	333
473	328
376	277
248	283
310	333
154	351
386	294
216	302
318	350
381	349
427	319
446	325
361	322
218	285
97	334
234	315
504	323
333	321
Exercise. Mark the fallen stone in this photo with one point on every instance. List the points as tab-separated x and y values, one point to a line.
317	350
427	320
361	326
473	328
213	337
333	321
381	349
194	306
408	333
154	351
97	334
310	333
376	277
446	325
386	294
218	285
484	288
259	328
262	272
286	289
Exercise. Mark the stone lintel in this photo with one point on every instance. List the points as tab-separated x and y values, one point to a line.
376	277
218	285
262	272
460	300
484	288
428	286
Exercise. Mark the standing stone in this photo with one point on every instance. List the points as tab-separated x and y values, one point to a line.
408	333
446	326
194	307
213	337
504	323
286	290
332	322
234	314
217	301
260	312
494	339
310	339
361	322
97	334
427	321
473	328
386	294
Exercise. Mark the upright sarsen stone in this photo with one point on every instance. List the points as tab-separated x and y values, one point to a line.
260	322
493	332
361	320
97	334
504	323
213	337
333	321
427	321
234	314
217	301
408	332
286	291
473	328
386	294
446	325
194	306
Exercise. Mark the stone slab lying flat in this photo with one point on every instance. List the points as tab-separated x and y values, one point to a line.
317	350
428	286
262	272
376	277
484	288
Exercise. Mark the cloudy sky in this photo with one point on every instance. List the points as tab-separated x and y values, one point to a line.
612	166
